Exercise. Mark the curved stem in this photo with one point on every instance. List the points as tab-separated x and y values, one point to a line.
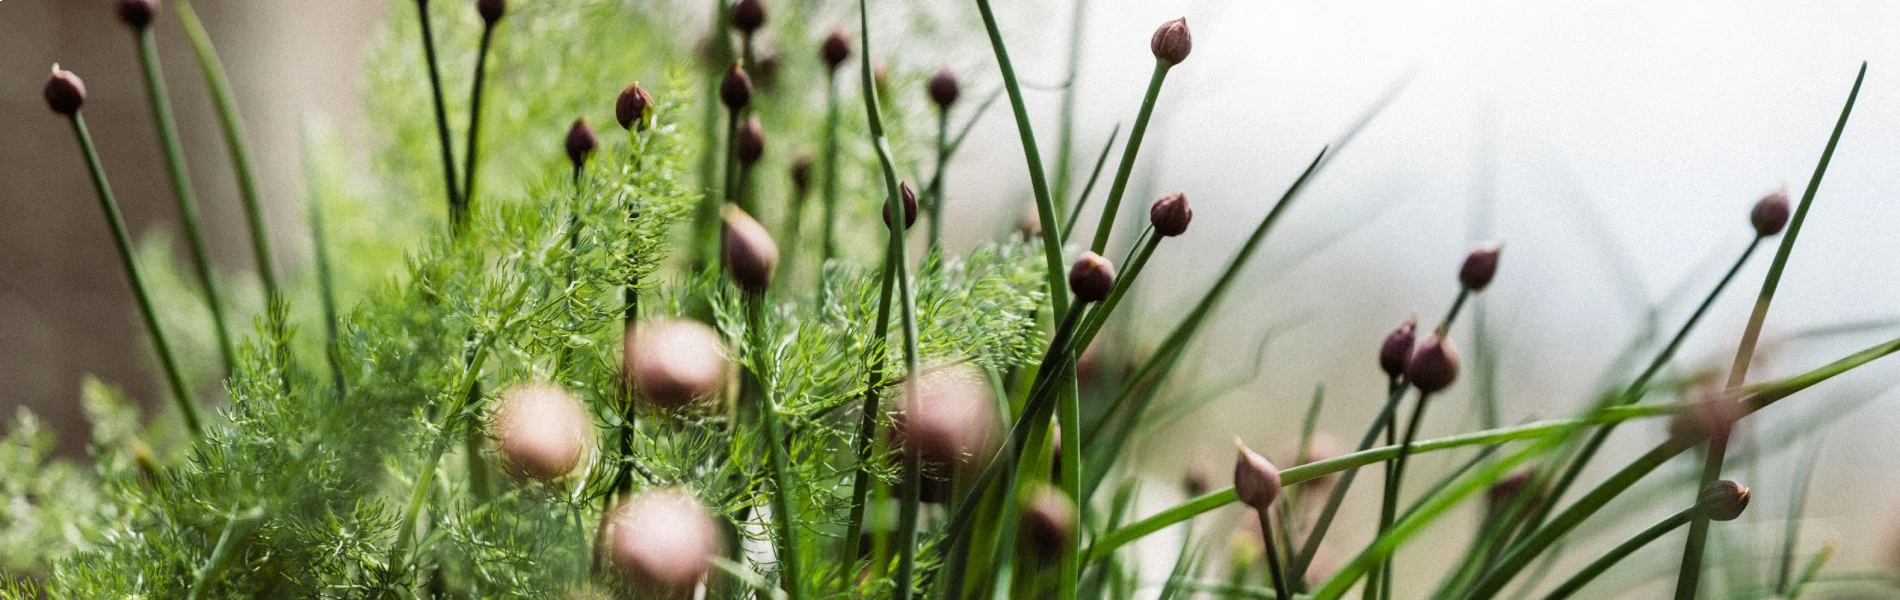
233	127
1127	168
1596	567
1280	589
1038	182
457	207
1388	511
831	170
475	122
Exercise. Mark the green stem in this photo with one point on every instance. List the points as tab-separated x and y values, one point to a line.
1075	211
830	170
1065	127
1388	511
1038	182
326	287
1071	419
122	240
783	514
1280	589
475	122
861	482
182	191
936	181
1576	582
1127	168
226	103
457	208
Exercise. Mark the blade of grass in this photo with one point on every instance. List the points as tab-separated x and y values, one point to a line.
1797	505
1571	586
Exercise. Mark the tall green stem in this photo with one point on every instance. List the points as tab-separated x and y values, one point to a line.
182	191
475	120
233	127
830	168
457	208
1380	579
936	181
861	481
1127	168
1065	128
1038	183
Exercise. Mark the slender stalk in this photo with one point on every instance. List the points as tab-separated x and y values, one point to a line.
831	170
182	191
1075	211
936	181
731	192
457	208
1127	168
1589	573
861	482
1065	126
1038	183
122	240
1280	589
784	516
1388	511
233	128
475	120
1071	419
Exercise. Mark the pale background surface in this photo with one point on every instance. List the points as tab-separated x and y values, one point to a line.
1619	144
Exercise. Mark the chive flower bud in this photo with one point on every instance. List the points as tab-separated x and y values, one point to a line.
801	174
736	89
65	92
835	50
1170	215
1480	266
949	424
631	108
1092	278
943	88
1770	213
1256	481
663	541
541	430
748	16
137	13
1434	366
673	363
1713	417
1048	521
749	253
750	146
1172	42
1396	353
1723	500
491	10
909	200
767	69
581	142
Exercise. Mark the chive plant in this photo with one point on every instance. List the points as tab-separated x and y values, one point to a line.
673	409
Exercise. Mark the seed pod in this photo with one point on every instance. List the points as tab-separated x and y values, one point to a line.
1723	500
542	430
943	88
581	142
672	363
65	92
491	10
1092	278
1048	522
664	541
1434	366
137	13
631	108
1172	42
801	174
835	50
1170	215
1480	266
1396	353
749	253
751	143
1770	213
909	200
1256	481
748	16
736	89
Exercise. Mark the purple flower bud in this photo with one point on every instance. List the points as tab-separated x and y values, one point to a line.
137	13
1480	266
1171	215
65	93
663	541
1048	522
1172	42
1256	481
801	175
1092	278
491	10
909	199
1434	366
751	143
542	431
1723	500
631	108
581	142
1770	214
767	69
673	363
736	89
835	50
749	253
1396	353
943	88
748	16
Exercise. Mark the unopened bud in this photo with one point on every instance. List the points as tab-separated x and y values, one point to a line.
541	430
65	93
766	67
1712	417
1396	353
663	541
736	89
1256	481
1480	266
1172	42
1048	522
581	142
1092	278
748	16
491	10
749	253
1434	366
909	200
1171	215
949	423
1770	214
943	88
674	363
801	175
1723	500
835	50
632	106
137	13
751	143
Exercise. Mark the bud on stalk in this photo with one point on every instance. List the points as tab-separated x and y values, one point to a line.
1171	215
750	255
543	431
491	10
835	50
1396	353
1172	42
663	541
735	90
943	88
581	142
65	92
1723	500
673	363
1256	480
137	14
1434	366
1480	266
750	146
1092	278
909	200
632	106
1770	214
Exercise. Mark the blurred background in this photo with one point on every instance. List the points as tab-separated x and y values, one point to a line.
1614	147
